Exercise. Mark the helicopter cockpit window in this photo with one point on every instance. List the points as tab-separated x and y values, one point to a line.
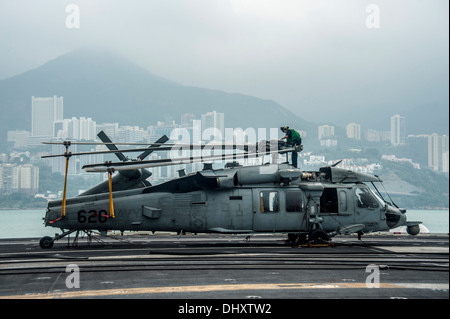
366	198
294	201
270	202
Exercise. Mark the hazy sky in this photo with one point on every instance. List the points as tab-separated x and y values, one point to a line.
308	55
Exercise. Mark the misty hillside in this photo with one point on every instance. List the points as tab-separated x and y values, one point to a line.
109	88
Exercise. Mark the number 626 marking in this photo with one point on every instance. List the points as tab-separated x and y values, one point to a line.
92	216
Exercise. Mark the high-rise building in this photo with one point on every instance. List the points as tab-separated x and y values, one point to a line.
73	128
44	112
377	136
19	138
131	134
8	178
186	119
110	129
87	129
398	130
354	131
76	129
28	177
325	131
445	162
19	178
160	129
433	151
445	154
438	152
214	120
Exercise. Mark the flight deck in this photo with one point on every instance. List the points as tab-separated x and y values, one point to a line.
168	266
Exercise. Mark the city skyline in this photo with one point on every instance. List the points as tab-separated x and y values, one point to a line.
48	122
24	178
50	109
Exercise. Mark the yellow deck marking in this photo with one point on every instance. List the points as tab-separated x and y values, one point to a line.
191	289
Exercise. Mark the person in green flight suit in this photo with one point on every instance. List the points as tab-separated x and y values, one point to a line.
294	139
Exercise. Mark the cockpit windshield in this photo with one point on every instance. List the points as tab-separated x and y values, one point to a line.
380	200
367	199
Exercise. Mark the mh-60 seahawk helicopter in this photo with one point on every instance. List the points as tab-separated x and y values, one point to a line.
271	198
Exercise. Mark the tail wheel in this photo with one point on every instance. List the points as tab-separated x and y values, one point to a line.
46	242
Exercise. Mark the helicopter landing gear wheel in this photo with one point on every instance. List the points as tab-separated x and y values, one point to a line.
297	238
46	242
318	236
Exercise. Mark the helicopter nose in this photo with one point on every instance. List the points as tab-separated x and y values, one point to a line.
395	217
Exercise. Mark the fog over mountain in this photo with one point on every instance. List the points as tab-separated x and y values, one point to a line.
109	88
318	59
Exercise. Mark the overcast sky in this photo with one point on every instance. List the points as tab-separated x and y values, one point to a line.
304	54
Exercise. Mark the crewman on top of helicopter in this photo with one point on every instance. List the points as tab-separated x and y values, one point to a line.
294	139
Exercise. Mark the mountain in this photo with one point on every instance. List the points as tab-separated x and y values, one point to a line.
109	88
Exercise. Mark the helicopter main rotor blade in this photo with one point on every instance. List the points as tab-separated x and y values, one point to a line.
153	147
121	166
102	152
121	143
146	152
158	147
110	145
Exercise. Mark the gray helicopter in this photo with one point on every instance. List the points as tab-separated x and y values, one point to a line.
272	198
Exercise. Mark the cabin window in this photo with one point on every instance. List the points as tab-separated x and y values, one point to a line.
269	202
294	202
366	199
329	201
343	200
